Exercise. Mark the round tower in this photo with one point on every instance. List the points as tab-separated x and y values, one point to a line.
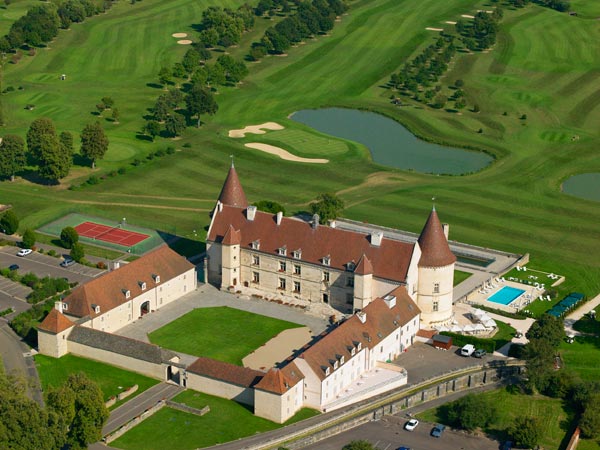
436	273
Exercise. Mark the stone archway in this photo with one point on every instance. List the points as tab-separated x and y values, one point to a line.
145	308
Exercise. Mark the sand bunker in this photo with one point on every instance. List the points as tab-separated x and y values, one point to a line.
277	349
184	42
255	129
434	29
283	154
450	22
179	35
468	16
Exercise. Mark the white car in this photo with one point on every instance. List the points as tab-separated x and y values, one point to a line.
411	424
24	252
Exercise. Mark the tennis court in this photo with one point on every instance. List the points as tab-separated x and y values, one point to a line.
115	235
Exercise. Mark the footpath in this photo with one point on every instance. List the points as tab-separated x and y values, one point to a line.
573	317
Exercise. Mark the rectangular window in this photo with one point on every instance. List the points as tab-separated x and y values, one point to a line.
435	306
255	277
297	269
282	251
350	281
297	287
255	260
282	283
282	266
349	299
326	277
436	288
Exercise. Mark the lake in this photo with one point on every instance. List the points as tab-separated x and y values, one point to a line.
390	143
585	185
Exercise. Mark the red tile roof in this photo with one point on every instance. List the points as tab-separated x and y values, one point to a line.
279	381
232	237
381	321
55	322
232	193
108	290
223	371
364	266
435	251
390	260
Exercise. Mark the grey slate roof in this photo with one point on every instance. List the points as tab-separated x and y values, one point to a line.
121	345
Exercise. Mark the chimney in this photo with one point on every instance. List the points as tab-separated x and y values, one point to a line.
362	316
58	306
250	212
390	301
315	221
332	223
376	237
219	206
278	218
446	228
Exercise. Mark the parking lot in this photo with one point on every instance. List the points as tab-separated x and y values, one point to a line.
44	265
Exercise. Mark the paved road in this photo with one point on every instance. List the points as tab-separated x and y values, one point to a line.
137	405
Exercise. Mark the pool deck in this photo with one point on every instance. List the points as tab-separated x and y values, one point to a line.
477	297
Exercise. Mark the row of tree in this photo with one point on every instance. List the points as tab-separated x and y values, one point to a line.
224	26
480	32
52	153
558	5
41	23
311	18
72	418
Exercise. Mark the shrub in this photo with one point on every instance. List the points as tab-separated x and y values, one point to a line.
30	279
93	180
489	345
69	237
187	145
112	173
170	150
51	253
101	265
28	238
77	252
136	162
9	223
160	153
121	170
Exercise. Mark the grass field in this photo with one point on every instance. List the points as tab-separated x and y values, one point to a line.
553	419
221	333
460	276
112	380
173	429
582	356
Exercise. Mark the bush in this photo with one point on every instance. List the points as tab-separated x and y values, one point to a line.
30	279
489	345
187	145
77	252
51	253
101	265
136	162
93	180
69	237
28	238
9	223
160	153
170	150
121	170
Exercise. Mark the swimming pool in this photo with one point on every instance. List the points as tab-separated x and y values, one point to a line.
506	295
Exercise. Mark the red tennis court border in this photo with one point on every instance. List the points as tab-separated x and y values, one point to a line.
114	235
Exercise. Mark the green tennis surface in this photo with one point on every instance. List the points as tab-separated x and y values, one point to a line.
154	239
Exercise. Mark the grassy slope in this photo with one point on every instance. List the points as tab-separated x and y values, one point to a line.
221	333
514	205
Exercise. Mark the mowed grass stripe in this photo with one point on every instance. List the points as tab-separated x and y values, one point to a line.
221	333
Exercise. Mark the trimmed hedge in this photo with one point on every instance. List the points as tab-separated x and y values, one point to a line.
489	345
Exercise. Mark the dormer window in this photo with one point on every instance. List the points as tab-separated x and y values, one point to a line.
255	245
350	266
353	351
342	359
359	346
282	251
126	292
96	308
65	306
156	278
326	260
335	365
327	371
297	254
142	285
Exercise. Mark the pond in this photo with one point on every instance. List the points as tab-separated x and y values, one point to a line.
585	185
390	143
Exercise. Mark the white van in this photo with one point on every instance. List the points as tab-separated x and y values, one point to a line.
467	350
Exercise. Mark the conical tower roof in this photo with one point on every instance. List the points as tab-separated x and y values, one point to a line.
232	193
435	251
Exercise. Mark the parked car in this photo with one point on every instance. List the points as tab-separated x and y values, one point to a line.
479	353
411	424
67	262
24	252
403	448
507	445
438	430
467	350
13	267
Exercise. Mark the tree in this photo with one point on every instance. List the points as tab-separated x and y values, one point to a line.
175	124
526	432
589	423
191	60
77	252
270	206
12	156
327	206
55	160
152	128
440	101
164	75
471	412
548	328
66	140
359	445
94	142
9	222
108	102
200	101
29	238
38	128
115	115
68	237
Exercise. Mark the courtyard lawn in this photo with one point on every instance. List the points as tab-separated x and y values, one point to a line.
460	276
173	429
582	356
112	380
221	333
553	419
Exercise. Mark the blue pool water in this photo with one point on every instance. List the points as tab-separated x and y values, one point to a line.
505	295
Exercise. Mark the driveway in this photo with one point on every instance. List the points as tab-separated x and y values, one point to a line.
44	265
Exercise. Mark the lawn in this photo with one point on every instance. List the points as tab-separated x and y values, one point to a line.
221	333
173	429
460	276
553	419
582	356
112	380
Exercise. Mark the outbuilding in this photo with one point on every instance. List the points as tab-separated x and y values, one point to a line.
441	342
